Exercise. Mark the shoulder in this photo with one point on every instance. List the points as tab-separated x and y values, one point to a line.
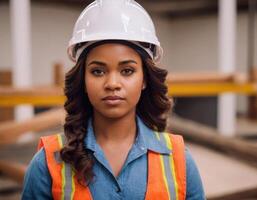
190	164
37	180
194	184
184	164
38	164
170	135
172	141
165	143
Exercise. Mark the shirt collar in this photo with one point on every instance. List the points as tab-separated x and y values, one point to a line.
146	138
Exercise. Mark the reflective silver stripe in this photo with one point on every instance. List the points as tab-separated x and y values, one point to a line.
168	169
68	182
57	157
68	176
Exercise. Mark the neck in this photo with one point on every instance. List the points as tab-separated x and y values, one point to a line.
114	130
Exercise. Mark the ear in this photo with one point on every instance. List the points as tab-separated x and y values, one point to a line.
144	85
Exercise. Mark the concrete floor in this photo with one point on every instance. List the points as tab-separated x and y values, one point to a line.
222	174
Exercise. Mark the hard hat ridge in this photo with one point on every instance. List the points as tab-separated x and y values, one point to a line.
110	2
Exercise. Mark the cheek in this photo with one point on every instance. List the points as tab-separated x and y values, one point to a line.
91	87
134	89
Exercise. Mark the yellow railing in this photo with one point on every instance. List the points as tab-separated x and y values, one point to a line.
211	89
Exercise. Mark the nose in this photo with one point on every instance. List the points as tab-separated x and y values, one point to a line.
112	82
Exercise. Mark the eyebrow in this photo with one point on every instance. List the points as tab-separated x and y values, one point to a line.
127	61
104	64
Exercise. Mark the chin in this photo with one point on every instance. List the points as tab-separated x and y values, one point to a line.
114	114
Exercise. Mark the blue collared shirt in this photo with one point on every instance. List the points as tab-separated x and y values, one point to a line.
131	182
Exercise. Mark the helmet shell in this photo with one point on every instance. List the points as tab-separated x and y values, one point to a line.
114	19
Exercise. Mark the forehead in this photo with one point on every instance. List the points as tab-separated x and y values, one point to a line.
114	51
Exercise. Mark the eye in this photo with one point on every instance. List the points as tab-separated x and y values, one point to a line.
127	71
97	72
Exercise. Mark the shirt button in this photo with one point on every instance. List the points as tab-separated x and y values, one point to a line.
143	148
118	190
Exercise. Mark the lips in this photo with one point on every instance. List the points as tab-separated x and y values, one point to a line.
113	100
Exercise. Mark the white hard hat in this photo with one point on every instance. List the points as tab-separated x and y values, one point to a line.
114	20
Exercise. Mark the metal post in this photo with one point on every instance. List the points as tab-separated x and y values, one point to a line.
227	42
21	51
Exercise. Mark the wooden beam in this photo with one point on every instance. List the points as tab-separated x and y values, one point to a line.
10	131
6	80
32	91
252	100
58	75
203	77
209	137
13	170
244	194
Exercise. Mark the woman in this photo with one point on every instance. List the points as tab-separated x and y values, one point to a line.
114	145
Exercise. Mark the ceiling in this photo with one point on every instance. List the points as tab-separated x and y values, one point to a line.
176	8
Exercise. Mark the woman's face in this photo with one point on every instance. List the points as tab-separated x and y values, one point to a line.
114	79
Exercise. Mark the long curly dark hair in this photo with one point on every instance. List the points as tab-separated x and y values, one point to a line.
153	108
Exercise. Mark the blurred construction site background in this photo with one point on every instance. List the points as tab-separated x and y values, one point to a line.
210	50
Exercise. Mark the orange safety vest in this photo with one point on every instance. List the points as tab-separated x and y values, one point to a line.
166	173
